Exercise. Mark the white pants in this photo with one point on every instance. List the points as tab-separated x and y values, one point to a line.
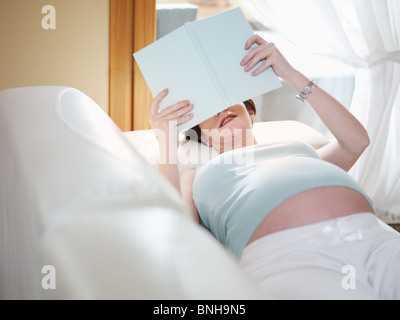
355	257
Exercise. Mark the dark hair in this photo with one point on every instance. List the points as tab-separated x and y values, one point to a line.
195	132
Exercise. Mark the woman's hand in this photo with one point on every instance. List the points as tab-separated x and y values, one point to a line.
177	114
164	122
269	52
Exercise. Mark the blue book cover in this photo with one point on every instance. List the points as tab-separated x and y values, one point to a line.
200	62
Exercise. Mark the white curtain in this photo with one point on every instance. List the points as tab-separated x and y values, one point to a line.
365	33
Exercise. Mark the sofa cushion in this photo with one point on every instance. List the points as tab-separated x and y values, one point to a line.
76	196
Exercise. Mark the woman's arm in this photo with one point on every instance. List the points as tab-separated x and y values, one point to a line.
351	137
164	125
187	179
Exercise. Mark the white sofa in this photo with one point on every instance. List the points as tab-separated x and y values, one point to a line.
84	216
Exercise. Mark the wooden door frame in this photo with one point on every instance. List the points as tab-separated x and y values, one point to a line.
132	27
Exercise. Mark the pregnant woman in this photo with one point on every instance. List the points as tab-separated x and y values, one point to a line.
295	220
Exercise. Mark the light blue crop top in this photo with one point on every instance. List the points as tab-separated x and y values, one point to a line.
235	191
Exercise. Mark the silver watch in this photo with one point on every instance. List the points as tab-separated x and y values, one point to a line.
307	91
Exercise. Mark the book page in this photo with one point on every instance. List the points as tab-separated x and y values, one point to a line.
223	38
174	63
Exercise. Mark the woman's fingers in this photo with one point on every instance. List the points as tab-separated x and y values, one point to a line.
250	55
178	113
177	110
266	54
185	118
176	107
155	105
257	54
264	66
254	39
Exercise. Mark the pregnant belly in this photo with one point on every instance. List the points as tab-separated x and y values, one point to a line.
312	206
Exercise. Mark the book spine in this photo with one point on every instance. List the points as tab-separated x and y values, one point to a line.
207	63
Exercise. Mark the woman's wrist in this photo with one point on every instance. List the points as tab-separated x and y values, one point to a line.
296	80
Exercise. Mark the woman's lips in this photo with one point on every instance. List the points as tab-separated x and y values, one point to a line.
227	120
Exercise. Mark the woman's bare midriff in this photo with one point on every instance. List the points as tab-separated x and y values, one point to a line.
312	206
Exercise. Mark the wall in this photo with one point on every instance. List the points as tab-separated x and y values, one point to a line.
207	7
75	54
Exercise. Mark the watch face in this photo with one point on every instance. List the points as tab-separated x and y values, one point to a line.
307	90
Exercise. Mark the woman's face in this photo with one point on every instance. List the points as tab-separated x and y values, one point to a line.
235	117
234	121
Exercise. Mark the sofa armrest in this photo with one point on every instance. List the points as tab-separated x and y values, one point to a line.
76	196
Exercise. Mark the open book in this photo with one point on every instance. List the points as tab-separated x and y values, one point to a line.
200	62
